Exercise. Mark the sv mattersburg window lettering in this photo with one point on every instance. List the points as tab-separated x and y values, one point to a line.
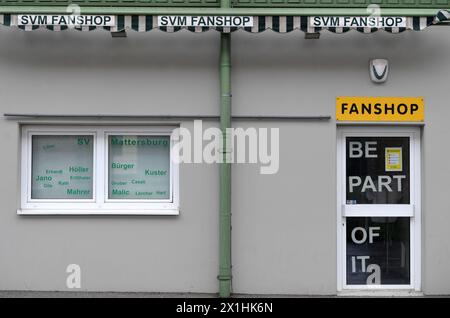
98	170
139	167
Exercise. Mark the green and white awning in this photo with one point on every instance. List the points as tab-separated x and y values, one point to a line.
443	15
281	24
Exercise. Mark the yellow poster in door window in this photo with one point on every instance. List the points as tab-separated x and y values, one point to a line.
393	159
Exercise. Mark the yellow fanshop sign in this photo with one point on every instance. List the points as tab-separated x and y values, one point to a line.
350	108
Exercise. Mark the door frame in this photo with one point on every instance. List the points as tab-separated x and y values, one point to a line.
413	211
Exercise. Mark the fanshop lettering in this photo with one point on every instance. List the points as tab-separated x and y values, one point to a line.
205	21
359	22
379	109
81	20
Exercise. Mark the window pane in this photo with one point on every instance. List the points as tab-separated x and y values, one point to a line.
378	250
139	167
62	167
377	170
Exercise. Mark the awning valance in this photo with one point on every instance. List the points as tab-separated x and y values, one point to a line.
281	24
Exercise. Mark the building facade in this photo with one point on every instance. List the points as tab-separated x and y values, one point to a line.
345	205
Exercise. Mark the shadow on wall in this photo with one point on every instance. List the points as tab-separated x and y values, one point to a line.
186	50
410	49
72	49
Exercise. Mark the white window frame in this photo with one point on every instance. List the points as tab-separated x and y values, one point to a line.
99	204
412	210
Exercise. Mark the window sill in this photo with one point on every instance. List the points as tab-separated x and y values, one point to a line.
98	212
380	293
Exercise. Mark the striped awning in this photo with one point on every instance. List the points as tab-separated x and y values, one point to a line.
281	24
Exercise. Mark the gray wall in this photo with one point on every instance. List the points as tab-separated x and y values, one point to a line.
284	225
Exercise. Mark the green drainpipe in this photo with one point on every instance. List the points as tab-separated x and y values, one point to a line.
225	167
